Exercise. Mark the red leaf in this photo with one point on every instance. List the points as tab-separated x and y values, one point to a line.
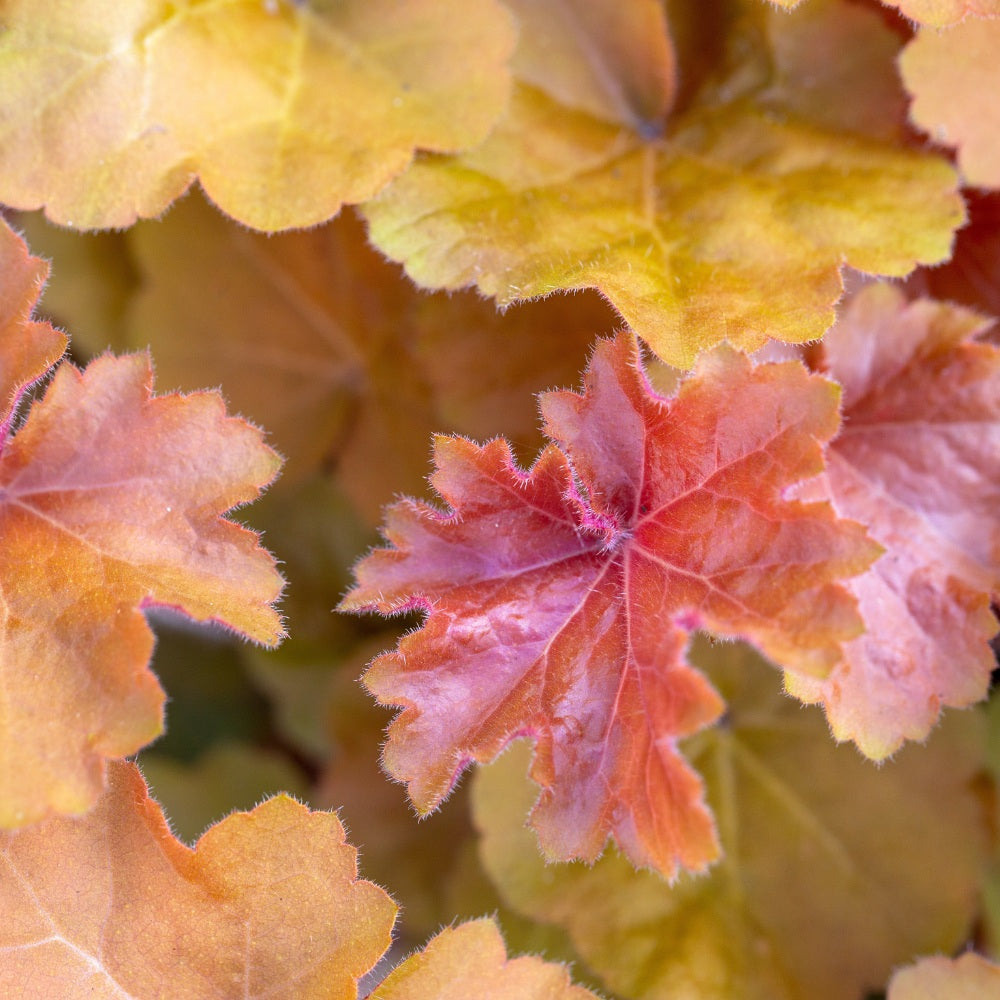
918	462
559	600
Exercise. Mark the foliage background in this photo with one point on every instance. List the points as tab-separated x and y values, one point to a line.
835	870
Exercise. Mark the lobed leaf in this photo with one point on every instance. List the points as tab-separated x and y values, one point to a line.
471	960
319	339
832	869
282	110
614	61
952	76
918	462
111	501
28	348
968	977
730	224
267	903
559	600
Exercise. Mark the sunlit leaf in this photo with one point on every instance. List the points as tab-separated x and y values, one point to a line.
268	903
282	110
111	501
918	462
732	223
833	870
559	599
28	348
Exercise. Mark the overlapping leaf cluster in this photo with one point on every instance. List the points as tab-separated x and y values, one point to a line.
808	476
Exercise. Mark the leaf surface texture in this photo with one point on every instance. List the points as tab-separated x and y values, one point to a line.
559	600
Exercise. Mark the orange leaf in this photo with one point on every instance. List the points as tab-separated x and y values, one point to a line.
471	961
111	502
613	60
559	599
283	110
953	76
28	349
918	462
731	224
327	345
268	903
969	977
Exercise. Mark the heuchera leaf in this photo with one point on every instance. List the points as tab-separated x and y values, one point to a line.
936	13
28	348
283	110
615	61
110	502
559	599
268	903
471	961
90	288
427	864
732	223
968	977
833	871
319	339
953	76
918	462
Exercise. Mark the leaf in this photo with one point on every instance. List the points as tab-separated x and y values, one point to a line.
286	334
833	870
558	600
268	903
918	462
327	345
968	977
28	348
110	503
282	110
936	13
471	960
91	286
732	224
952	76
614	61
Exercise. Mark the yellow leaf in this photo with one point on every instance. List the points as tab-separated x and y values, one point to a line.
732	224
109	109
